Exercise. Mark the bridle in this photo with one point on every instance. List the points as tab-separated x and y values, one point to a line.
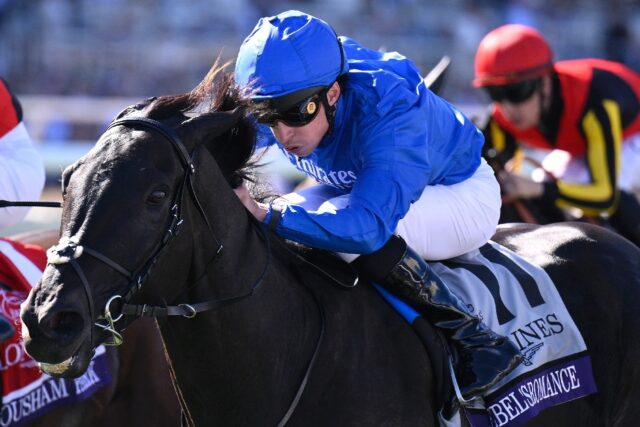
69	249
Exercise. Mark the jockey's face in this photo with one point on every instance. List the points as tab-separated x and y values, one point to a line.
303	140
522	115
527	113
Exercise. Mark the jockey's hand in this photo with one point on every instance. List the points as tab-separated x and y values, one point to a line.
259	210
520	186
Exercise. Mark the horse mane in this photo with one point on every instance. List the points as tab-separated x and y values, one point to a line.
217	92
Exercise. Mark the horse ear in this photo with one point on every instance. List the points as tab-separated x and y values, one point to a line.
135	108
207	126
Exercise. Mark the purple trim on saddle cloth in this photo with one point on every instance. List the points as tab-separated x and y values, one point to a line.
521	400
48	393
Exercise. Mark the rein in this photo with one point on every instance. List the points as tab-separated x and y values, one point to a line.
68	250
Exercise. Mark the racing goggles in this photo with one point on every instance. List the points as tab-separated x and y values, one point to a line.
515	93
297	109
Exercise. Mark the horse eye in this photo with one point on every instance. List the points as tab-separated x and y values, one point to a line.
157	196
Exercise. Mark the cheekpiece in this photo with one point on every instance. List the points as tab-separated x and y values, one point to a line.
66	250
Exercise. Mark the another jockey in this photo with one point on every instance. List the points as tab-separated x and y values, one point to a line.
22	172
589	108
21	178
391	157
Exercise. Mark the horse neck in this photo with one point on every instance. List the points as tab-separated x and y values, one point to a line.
244	364
257	347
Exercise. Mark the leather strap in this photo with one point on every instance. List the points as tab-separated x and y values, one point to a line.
274	220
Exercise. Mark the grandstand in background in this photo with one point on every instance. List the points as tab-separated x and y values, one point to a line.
136	48
76	63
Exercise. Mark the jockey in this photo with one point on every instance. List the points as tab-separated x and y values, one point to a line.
21	178
400	172
589	108
21	167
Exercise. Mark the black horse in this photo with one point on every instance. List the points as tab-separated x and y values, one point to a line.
255	335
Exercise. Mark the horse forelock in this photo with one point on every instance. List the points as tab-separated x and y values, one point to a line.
233	149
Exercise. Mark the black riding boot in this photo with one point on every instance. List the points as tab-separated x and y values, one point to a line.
626	218
483	357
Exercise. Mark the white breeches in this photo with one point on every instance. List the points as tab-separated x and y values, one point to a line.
446	221
22	173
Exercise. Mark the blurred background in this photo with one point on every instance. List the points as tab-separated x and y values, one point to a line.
75	64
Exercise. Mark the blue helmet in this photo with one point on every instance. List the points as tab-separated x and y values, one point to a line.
287	53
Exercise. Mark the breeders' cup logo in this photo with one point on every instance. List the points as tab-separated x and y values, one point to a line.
12	352
10	305
528	354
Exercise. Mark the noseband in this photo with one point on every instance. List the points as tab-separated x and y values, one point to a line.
69	249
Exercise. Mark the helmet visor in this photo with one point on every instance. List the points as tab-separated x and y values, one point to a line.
515	93
295	110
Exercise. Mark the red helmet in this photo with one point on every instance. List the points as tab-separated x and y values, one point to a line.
510	54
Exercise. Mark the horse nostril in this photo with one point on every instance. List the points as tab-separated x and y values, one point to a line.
52	322
62	324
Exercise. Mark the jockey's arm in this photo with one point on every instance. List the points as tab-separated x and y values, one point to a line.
375	205
602	127
357	228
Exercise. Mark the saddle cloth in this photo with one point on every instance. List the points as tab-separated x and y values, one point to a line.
518	300
28	392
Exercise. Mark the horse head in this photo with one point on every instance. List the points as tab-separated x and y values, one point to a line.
127	206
